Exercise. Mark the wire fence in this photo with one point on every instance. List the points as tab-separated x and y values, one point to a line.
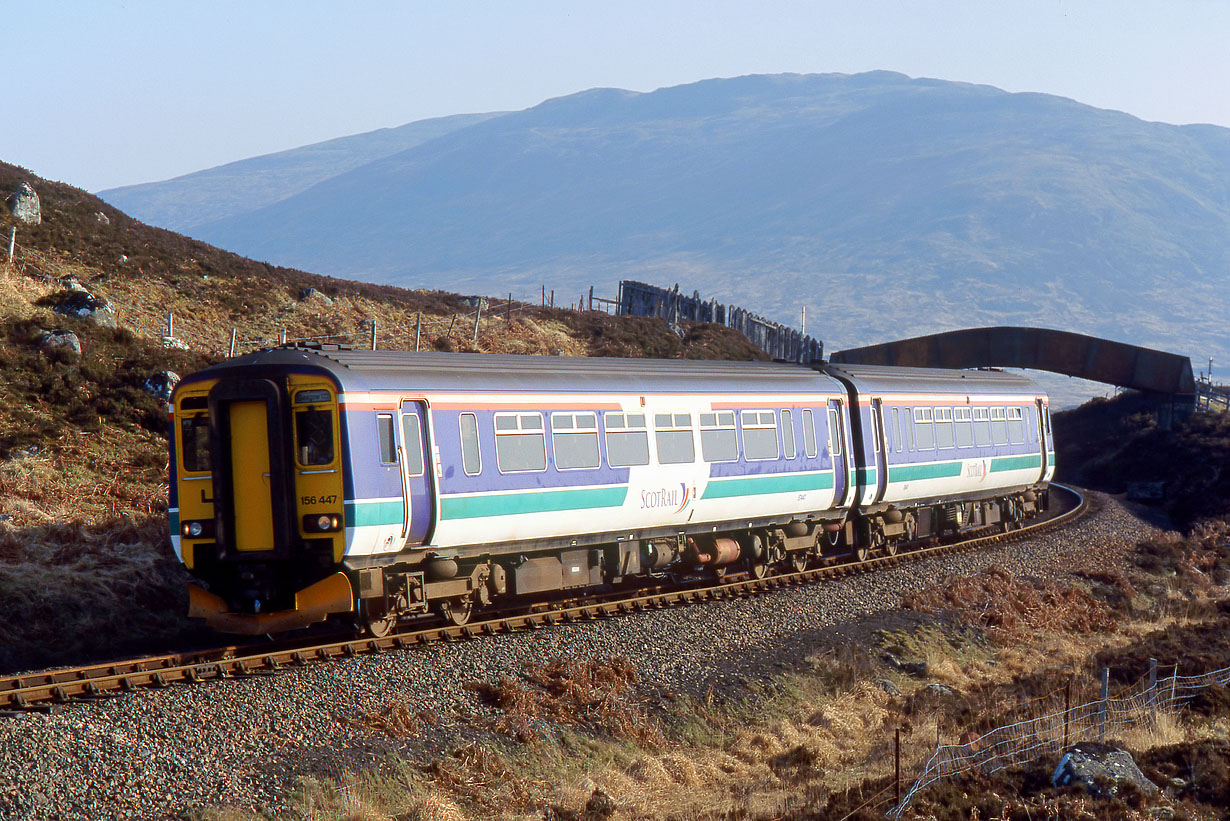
1214	398
1137	707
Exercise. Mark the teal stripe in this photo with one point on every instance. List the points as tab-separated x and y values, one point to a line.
864	476
1014	463
372	514
175	523
757	485
910	473
1050	459
542	501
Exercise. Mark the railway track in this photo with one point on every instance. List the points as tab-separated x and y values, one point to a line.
50	689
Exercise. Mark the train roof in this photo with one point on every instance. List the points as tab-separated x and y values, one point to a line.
466	372
892	378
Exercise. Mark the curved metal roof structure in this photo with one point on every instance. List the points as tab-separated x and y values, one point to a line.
1102	360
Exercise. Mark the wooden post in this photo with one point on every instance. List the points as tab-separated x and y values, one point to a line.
478	313
591	297
544	296
1153	686
234	333
552	297
1103	705
12	241
451	322
1067	712
418	328
373	334
897	762
508	313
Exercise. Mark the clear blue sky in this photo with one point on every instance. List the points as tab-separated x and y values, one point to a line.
107	93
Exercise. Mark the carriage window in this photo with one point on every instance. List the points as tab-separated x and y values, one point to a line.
673	436
965	430
924	437
384	431
471	457
898	441
943	427
759	434
519	442
834	434
194	439
809	433
412	438
627	442
877	426
718	441
999	426
1046	417
788	434
982	427
1016	426
314	437
574	438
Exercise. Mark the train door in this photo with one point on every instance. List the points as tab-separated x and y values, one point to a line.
416	476
837	450
1043	431
252	490
880	448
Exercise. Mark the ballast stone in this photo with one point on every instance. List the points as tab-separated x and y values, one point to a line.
23	205
1100	769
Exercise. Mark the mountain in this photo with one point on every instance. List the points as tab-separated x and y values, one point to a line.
890	206
183	203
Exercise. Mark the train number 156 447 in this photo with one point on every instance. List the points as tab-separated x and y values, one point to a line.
317	500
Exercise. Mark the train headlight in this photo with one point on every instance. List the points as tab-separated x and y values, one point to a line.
197	530
322	523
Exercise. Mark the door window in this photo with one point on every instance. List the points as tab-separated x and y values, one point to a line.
412	436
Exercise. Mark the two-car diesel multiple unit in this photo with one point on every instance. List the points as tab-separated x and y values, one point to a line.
313	481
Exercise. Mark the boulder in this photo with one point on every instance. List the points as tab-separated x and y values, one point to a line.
60	342
888	686
910	668
942	690
102	218
23	205
84	305
174	343
1101	770
71	283
161	384
313	295
475	301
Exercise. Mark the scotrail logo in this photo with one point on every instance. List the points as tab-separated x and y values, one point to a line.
666	498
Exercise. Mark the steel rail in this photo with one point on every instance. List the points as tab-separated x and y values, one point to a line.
45	690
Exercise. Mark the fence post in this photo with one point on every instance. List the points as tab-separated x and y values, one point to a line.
552	297
234	332
1174	680
897	762
1103	705
478	313
544	296
12	241
591	297
282	337
373	334
508	309
418	327
1067	712
451	322
1153	687
170	324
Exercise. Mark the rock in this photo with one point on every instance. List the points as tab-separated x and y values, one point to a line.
123	258
102	218
161	384
910	668
86	306
1100	769
71	283
23	205
599	805
942	690
60	342
676	329
313	295
888	686
174	343
475	301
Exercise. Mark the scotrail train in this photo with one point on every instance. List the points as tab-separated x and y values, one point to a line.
378	487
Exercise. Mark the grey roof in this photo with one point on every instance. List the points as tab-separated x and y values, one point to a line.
885	378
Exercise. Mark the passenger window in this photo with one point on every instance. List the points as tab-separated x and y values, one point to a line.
759	434
982	427
627	442
943	427
999	427
897	429
876	428
1046	415
574	439
471	457
520	443
788	434
965	430
718	440
384	431
834	434
809	434
412	436
924	437
1016	426
673	436
194	441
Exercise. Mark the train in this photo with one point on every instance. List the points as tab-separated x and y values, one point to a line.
320	483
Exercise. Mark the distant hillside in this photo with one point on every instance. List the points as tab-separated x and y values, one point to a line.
891	206
186	202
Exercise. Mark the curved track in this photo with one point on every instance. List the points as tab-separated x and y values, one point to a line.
45	690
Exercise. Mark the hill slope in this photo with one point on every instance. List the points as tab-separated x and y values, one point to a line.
892	206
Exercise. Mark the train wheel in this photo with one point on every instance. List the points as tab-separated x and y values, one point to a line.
798	561
757	568
862	552
381	627
911	527
456	612
890	547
